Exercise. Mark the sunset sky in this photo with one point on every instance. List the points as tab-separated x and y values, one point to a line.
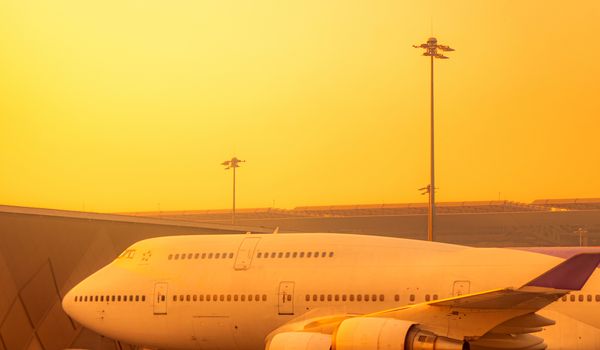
132	105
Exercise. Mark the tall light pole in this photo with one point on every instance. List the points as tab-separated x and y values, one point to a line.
431	50
232	164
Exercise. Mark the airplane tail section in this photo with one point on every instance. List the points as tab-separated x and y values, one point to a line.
571	274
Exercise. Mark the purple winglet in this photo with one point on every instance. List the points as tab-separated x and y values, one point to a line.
571	274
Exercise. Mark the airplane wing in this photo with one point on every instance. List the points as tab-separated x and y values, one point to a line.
501	318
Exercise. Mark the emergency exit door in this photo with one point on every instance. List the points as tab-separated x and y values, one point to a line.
245	253
286	298
160	298
461	288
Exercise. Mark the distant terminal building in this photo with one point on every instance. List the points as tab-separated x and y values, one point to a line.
44	252
545	222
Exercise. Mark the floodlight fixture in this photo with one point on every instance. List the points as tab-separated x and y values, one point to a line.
431	48
232	164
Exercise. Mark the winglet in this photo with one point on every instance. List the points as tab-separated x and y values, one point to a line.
571	274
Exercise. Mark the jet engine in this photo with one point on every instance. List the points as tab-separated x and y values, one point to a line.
372	333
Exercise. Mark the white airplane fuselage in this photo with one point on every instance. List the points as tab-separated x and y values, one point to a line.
177	293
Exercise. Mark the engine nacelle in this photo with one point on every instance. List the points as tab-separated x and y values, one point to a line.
373	333
300	341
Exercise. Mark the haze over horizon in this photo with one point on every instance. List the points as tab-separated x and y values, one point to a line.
133	105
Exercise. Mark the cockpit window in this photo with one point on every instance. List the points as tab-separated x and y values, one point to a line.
127	254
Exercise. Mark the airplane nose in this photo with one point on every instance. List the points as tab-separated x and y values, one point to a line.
68	302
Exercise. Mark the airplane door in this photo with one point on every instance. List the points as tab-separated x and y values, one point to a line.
160	298
286	298
245	253
461	288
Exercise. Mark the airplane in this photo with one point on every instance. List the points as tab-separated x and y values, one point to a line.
323	291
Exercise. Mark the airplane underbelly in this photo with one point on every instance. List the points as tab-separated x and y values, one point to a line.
213	333
568	333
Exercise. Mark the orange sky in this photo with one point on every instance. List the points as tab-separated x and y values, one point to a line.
132	105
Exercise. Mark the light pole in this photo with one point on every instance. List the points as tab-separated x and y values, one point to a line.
431	50
232	164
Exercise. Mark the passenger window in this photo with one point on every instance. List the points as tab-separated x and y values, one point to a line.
112	298
343	297
322	297
426	297
580	297
182	256
307	297
259	255
207	297
564	298
194	297
85	298
176	256
597	297
170	256
295	255
137	298
331	254
125	298
201	297
102	298
329	297
264	297
337	297
412	297
314	297
228	297
210	255
230	255
309	254
351	297
374	297
181	297
224	256
316	254
323	254
196	256
273	254
203	256
222	297
217	255
131	298
257	297
287	254
118	298
367	298
302	254
589	297
235	297
96	298
358	297
280	255
572	297
190	255
381	297
435	297
243	297
249	297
